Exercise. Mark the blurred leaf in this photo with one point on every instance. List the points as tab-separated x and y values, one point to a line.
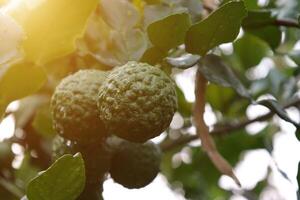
216	71
295	56
250	50
184	62
6	155
153	56
64	180
184	107
26	172
11	36
219	97
169	32
18	81
221	26
260	24
50	28
199	178
275	107
120	15
42	121
276	79
27	109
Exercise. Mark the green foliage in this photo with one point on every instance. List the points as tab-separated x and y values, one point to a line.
256	50
259	23
55	182
177	37
221	26
18	81
169	32
216	71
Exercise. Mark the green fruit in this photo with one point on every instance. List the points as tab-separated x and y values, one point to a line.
135	165
96	156
74	106
137	102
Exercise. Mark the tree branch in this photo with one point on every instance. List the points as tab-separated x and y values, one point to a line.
208	144
286	23
275	22
168	145
14	190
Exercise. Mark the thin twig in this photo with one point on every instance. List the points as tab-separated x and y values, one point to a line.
276	22
208	144
166	146
286	23
11	188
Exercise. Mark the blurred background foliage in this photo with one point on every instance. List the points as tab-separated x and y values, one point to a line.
263	61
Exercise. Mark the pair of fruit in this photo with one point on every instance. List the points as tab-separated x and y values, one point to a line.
135	102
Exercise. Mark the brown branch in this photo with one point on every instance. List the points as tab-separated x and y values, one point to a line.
166	146
274	22
286	23
208	144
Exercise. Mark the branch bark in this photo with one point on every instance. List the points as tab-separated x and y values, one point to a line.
286	23
166	146
208	144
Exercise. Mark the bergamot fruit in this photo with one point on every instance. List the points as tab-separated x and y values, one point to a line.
137	101
74	106
135	165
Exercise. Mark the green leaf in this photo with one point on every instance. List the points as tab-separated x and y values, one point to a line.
275	107
220	98
295	56
260	24
170	31
216	71
184	107
184	62
221	26
121	15
18	81
64	180
153	56
26	172
42	122
250	50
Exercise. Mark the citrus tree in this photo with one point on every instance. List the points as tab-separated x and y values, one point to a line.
93	90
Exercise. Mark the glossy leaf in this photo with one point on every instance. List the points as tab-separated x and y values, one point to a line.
64	180
250	50
184	62
221	26
216	71
169	32
295	56
153	55
260	24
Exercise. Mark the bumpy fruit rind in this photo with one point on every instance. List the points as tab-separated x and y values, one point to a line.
135	165
137	102
74	106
